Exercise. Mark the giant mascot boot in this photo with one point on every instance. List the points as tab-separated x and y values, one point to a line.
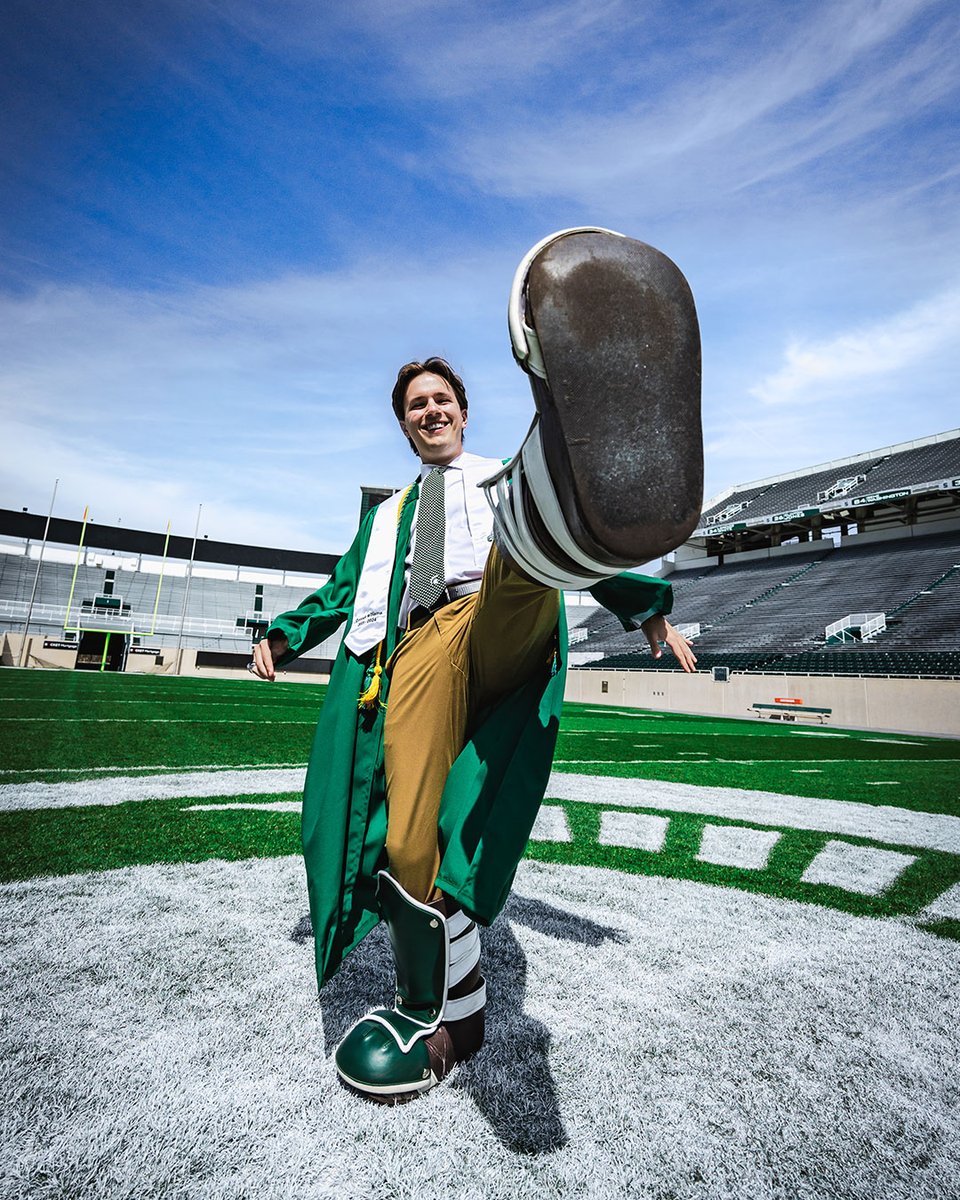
393	1054
610	474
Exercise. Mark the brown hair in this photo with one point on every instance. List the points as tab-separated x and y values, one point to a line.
433	366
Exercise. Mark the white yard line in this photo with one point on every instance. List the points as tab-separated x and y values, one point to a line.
111	701
752	762
265	806
150	787
881	823
165	767
211	720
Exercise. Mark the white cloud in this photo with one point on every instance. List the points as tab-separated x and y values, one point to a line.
268	403
776	101
442	49
822	371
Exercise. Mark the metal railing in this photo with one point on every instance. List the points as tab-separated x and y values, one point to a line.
866	625
15	611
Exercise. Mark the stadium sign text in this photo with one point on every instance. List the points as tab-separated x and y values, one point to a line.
876	497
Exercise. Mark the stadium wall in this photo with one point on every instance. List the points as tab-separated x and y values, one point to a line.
164	662
921	706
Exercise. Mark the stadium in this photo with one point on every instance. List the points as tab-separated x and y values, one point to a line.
752	874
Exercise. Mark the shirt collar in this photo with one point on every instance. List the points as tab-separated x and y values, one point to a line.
426	468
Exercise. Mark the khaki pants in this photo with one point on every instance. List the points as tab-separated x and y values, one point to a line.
469	654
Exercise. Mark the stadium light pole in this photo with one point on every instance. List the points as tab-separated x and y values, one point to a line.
36	578
186	590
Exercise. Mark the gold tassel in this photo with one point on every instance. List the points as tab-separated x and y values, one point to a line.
368	699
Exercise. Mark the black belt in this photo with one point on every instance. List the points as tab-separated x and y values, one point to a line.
420	615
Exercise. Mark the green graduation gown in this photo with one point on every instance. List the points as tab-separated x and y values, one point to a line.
494	788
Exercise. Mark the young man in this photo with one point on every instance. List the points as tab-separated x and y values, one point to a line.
435	741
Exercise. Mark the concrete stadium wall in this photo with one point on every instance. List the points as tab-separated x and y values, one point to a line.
137	664
926	706
37	656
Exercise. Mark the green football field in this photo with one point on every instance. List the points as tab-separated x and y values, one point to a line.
92	730
729	965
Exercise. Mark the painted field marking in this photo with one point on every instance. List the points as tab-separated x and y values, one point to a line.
266	806
806	771
752	762
857	868
946	905
816	733
882	782
623	712
876	822
734	846
126	770
639	831
127	789
212	720
111	701
551	825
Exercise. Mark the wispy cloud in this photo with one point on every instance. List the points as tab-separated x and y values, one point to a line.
355	184
839	74
269	402
816	372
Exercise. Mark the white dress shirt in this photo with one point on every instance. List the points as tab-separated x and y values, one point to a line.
468	520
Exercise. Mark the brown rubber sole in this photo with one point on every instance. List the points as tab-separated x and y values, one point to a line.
620	413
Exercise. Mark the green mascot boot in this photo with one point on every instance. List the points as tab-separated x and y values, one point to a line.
437	1021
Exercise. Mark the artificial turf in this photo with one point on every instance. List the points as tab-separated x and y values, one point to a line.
71	725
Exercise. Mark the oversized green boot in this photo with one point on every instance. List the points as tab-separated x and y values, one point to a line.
437	1021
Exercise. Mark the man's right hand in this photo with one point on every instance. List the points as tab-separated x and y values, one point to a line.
266	653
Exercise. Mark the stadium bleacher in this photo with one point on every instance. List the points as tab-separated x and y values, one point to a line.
771	565
215	604
768	610
934	461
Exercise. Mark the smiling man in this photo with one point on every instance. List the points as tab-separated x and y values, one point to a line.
435	741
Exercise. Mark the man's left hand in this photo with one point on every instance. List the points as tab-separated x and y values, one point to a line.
658	631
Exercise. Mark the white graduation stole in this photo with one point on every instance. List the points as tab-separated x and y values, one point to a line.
369	625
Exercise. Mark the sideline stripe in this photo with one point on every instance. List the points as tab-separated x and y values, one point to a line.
879	823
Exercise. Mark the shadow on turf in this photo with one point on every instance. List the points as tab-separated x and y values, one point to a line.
510	1079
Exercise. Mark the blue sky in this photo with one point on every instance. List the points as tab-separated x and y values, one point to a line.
225	224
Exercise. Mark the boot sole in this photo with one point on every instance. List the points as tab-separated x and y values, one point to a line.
394	1094
620	419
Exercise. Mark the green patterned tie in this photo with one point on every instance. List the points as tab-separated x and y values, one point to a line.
426	572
